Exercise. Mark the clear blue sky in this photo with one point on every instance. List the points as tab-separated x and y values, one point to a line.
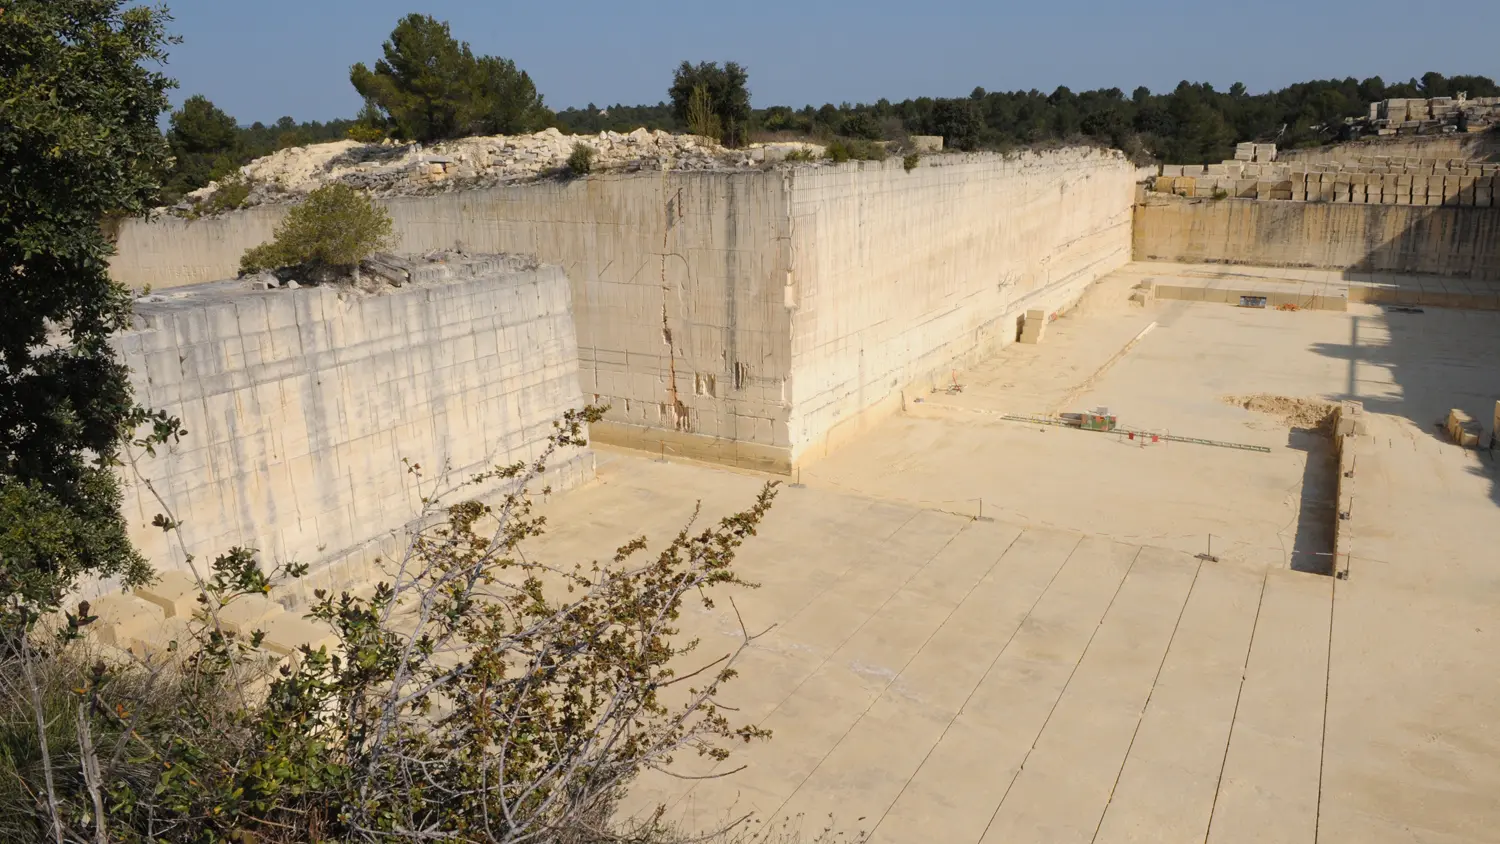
261	60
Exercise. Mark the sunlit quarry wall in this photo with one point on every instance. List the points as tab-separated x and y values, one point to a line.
1449	241
753	317
304	408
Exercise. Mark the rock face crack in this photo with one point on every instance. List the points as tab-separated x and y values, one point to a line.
675	409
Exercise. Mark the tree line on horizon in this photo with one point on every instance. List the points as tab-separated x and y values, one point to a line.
429	86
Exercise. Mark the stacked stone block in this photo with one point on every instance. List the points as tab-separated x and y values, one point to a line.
1441	182
1427	116
1463	429
1034	327
145	624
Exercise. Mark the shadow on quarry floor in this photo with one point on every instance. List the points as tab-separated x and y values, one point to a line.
1312	548
1418	365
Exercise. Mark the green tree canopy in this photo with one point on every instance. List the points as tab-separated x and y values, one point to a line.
728	93
430	86
959	123
204	140
79	142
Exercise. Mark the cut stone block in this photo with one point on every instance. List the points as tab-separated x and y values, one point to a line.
157	639
1462	428
247	612
174	591
286	633
123	616
1034	327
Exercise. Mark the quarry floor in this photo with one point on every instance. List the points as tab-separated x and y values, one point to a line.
1060	665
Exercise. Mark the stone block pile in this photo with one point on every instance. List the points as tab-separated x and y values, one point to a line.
1389	182
1257	153
1463	429
146	622
1431	116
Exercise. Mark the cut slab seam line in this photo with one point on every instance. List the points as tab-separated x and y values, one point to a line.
1333	595
1061	694
904	666
998	654
852	634
1088	383
1181	611
1234	716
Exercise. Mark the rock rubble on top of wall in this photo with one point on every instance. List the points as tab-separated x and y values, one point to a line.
399	169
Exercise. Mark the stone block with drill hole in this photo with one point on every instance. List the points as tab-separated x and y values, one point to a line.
286	633
122	617
247	613
175	592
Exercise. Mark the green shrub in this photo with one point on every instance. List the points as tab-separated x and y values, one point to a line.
846	149
581	160
702	120
229	196
1220	193
801	154
330	233
433	721
366	134
910	161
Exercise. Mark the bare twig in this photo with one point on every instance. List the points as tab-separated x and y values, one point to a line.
91	778
41	734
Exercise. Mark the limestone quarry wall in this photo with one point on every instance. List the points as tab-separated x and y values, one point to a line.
745	317
169	251
901	277
1450	241
677	290
677	296
300	406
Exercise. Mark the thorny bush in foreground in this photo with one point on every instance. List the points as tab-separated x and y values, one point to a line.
479	695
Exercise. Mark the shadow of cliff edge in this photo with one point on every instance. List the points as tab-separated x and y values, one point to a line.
1418	360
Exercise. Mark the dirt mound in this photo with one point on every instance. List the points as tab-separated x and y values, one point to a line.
1311	414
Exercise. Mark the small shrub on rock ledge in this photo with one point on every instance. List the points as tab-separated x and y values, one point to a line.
581	160
326	236
845	149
